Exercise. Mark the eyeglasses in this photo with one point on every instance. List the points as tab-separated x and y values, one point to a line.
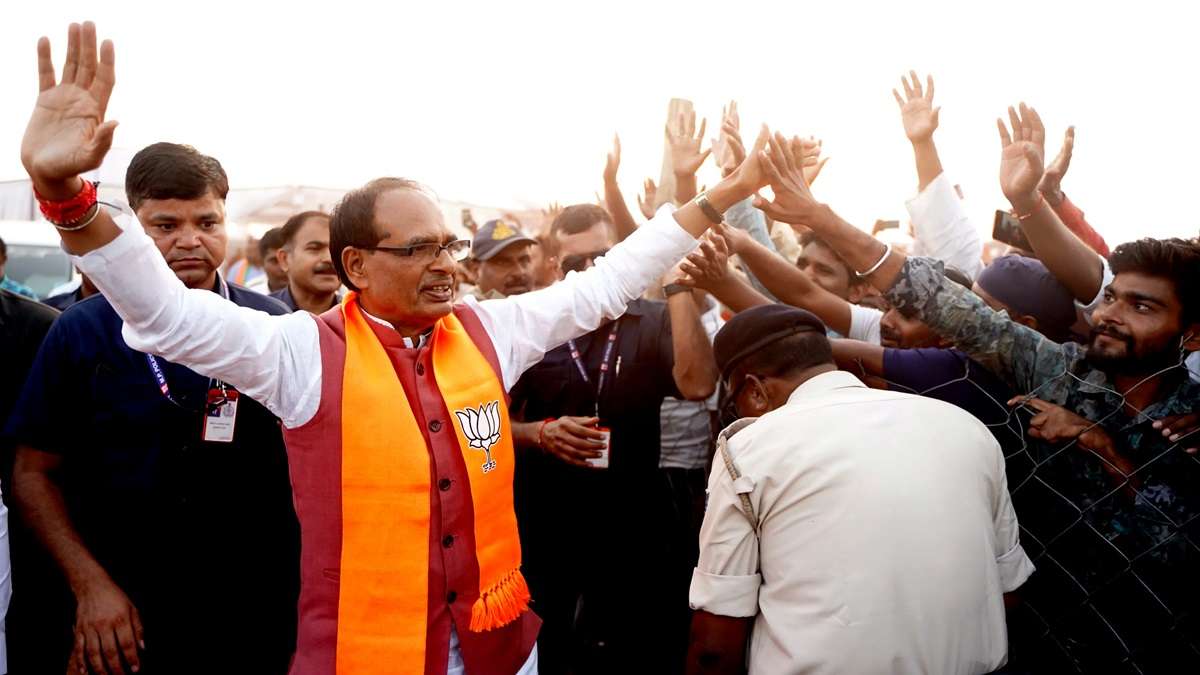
580	261
458	249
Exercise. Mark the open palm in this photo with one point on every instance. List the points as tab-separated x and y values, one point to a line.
916	108
1021	162
67	134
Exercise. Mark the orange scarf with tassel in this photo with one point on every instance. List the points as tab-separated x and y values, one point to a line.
382	602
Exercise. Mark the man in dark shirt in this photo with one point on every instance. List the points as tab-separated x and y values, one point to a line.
64	300
23	324
312	284
591	520
162	495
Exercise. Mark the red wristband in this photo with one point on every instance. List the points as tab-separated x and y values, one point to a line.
71	210
542	432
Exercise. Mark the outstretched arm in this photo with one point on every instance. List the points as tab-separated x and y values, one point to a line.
1068	258
686	156
68	135
787	282
1071	215
941	227
618	210
920	120
524	327
916	286
707	268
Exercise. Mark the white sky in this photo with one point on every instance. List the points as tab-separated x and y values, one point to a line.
514	103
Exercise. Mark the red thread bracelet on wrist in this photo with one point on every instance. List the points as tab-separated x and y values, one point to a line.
70	210
1033	209
542	432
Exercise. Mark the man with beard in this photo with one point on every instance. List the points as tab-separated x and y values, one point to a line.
504	260
163	526
312	283
1109	494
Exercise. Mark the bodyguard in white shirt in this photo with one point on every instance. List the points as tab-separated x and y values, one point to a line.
848	530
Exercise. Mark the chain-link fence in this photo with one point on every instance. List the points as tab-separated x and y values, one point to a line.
1115	536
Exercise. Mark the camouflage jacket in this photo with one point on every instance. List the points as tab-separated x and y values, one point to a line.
1115	538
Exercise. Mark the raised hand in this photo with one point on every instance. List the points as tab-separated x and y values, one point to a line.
783	164
646	203
684	146
812	160
1021	161
916	107
728	149
613	162
1051	183
67	133
708	266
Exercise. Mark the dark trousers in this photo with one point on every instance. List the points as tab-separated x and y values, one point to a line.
608	558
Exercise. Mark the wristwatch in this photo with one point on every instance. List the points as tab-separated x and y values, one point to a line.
706	207
672	289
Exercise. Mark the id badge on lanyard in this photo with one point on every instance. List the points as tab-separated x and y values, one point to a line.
220	415
220	405
610	344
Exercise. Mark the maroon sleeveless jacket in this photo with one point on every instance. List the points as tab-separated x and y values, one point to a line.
314	454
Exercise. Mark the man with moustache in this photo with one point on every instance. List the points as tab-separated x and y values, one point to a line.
312	282
504	260
1109	504
393	404
163	526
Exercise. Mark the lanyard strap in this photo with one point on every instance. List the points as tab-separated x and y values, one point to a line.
609	347
160	377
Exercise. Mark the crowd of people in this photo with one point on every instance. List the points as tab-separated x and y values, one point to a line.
731	435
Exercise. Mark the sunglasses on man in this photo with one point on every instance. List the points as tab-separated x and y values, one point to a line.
580	261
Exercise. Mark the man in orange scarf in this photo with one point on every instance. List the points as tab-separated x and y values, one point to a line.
393	403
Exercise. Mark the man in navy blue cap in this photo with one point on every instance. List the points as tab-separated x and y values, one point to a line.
840	517
505	262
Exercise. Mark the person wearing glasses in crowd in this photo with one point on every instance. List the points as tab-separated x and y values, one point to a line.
393	403
593	512
164	521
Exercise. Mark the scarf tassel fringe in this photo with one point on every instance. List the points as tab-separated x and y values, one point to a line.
501	604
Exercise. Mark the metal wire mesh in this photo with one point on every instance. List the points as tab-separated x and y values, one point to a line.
1115	539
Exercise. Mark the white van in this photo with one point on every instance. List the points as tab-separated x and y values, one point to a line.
36	258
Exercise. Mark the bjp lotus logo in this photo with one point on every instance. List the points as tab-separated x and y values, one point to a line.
482	429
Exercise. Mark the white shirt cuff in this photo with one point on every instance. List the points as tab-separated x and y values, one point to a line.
725	595
114	251
1015	568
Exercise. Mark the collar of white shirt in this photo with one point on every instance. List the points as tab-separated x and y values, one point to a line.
411	343
825	383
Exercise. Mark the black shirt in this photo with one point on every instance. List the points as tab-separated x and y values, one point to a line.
201	536
639	379
23	325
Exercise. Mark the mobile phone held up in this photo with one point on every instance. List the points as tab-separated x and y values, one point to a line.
1006	228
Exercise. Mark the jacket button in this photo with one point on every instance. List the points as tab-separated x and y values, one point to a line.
444	484
420	369
435	426
448	540
451	597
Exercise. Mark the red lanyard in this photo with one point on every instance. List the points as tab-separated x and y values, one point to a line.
609	345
